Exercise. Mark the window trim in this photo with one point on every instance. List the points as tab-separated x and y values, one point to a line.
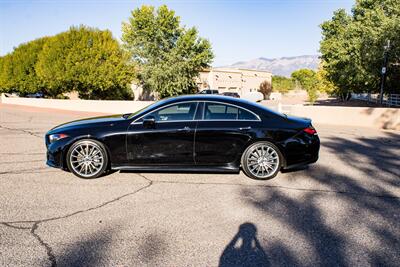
202	116
228	104
166	106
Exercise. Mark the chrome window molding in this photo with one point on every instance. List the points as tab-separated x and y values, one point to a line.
228	104
172	104
202	116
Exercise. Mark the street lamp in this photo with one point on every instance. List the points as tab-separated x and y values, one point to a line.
384	70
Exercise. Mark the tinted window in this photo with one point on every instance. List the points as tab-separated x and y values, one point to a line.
178	112
216	111
246	115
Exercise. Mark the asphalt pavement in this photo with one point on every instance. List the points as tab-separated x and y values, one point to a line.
342	211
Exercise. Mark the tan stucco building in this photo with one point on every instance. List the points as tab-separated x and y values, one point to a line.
242	81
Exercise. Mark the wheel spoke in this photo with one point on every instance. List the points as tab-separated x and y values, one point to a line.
93	166
82	168
80	152
258	170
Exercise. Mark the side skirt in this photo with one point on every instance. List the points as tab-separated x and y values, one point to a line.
169	168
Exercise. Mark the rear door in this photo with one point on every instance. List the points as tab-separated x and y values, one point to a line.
223	132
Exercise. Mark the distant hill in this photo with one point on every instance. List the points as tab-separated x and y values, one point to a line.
283	66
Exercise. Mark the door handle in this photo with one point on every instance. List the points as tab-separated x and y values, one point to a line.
245	128
184	129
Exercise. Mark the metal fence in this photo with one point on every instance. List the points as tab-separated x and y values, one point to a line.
391	100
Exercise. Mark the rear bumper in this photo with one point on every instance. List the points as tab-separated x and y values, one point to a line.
299	164
301	150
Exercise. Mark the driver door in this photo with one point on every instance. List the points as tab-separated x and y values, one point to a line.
164	136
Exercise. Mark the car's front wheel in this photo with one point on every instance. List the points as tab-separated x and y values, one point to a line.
261	160
87	159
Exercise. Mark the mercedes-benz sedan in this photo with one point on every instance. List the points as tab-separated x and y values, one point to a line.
203	133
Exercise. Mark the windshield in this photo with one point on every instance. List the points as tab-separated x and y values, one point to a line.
148	107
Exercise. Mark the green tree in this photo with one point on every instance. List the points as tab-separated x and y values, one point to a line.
17	69
324	85
6	82
168	56
282	84
308	81
88	61
352	46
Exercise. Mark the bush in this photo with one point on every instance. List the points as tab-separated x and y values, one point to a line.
266	89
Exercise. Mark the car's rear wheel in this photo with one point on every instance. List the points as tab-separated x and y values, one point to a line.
261	160
87	159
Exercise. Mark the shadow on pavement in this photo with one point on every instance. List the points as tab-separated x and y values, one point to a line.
244	249
89	251
351	219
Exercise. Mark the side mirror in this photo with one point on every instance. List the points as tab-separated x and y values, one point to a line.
149	122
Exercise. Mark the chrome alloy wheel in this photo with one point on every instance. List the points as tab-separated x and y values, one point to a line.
263	161
87	159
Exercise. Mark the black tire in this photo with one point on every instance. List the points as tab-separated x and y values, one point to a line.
93	162
275	158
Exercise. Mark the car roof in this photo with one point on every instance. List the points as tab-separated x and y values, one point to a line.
255	107
202	97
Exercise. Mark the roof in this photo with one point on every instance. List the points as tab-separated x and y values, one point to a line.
210	97
238	70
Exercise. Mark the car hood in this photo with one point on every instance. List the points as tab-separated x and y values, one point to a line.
90	121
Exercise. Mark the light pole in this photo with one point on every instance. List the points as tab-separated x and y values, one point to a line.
384	70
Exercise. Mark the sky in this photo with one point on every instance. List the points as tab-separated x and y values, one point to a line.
239	30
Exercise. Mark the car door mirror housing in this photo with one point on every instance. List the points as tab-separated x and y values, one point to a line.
149	122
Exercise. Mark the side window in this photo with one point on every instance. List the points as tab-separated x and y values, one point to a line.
246	115
215	111
178	112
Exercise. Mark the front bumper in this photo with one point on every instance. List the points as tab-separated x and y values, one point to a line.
55	152
54	160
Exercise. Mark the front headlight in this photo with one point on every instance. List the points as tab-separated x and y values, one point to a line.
55	137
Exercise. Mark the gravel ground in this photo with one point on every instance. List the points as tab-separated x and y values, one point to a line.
342	211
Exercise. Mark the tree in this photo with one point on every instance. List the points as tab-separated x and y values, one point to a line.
266	89
82	59
6	83
88	61
282	84
324	85
352	46
17	70
169	56
308	81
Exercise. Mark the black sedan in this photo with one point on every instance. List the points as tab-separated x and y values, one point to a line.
205	133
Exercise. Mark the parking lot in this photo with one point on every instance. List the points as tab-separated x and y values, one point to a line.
342	211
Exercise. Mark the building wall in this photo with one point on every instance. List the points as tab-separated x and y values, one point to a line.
242	81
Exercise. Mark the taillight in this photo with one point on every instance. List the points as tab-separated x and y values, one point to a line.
310	130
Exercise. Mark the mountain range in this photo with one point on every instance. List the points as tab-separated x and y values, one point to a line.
283	66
